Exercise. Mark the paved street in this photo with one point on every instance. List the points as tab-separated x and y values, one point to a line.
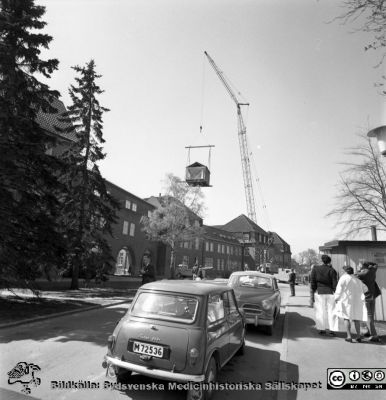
71	348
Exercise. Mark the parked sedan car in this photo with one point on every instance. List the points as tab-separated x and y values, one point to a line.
258	295
183	331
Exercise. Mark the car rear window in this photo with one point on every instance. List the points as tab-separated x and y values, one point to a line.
166	307
252	281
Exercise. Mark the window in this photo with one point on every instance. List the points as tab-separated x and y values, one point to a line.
208	262
132	229
215	309
218	264
206	246
229	302
246	237
211	246
149	213
185	260
228	250
134	207
223	249
166	307
197	243
128	204
196	223
186	245
125	227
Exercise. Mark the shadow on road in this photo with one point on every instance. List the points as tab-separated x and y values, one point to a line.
91	327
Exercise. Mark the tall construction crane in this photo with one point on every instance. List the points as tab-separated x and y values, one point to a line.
244	152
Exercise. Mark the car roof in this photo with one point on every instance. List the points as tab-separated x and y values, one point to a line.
185	287
253	273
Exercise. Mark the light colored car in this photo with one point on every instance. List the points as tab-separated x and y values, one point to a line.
182	331
259	297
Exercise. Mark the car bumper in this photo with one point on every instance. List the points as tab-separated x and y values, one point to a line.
153	372
258	321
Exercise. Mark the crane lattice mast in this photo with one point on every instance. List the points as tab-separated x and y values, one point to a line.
244	152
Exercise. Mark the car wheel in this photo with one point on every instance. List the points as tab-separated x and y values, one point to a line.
210	377
123	375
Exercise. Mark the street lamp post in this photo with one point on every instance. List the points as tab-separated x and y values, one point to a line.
380	134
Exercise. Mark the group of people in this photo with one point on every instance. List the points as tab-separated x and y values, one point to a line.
351	299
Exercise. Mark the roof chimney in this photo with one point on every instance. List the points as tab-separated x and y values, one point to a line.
373	233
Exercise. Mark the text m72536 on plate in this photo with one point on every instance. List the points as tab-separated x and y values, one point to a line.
148	349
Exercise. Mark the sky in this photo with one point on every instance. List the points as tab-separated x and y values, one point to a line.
306	76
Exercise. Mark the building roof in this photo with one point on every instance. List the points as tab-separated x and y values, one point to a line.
215	233
346	243
108	183
185	287
277	239
48	121
242	224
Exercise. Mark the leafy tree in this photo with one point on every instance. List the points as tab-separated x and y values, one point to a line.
29	237
307	257
192	197
170	224
88	210
361	201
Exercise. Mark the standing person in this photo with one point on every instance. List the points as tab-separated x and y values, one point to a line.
292	281
148	270
323	284
312	293
367	275
349	295
195	270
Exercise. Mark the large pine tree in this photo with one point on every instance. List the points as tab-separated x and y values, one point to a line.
88	209
28	185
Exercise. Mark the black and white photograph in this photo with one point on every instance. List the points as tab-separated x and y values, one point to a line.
192	199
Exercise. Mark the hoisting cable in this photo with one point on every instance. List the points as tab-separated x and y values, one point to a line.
260	190
202	93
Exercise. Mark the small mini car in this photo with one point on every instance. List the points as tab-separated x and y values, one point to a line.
258	295
182	331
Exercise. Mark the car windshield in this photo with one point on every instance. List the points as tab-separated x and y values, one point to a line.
166	306
251	281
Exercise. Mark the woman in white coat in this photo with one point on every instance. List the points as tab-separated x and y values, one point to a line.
350	305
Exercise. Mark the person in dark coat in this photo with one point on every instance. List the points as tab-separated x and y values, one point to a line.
292	281
367	275
148	270
323	283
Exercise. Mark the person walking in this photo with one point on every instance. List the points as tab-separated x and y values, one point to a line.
292	281
349	299
367	275
323	284
148	270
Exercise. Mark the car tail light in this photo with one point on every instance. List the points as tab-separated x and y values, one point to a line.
193	356
111	342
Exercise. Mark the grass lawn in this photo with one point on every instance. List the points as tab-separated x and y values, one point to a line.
13	309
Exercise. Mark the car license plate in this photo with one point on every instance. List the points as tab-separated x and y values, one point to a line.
148	349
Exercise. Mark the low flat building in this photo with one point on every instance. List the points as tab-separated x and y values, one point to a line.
354	252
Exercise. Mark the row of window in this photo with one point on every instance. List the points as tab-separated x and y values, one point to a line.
130	205
223	249
128	229
221	264
260	237
191	244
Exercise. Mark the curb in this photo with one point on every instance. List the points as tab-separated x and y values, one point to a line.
62	314
282	394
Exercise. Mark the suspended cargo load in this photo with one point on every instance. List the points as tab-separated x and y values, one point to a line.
197	175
